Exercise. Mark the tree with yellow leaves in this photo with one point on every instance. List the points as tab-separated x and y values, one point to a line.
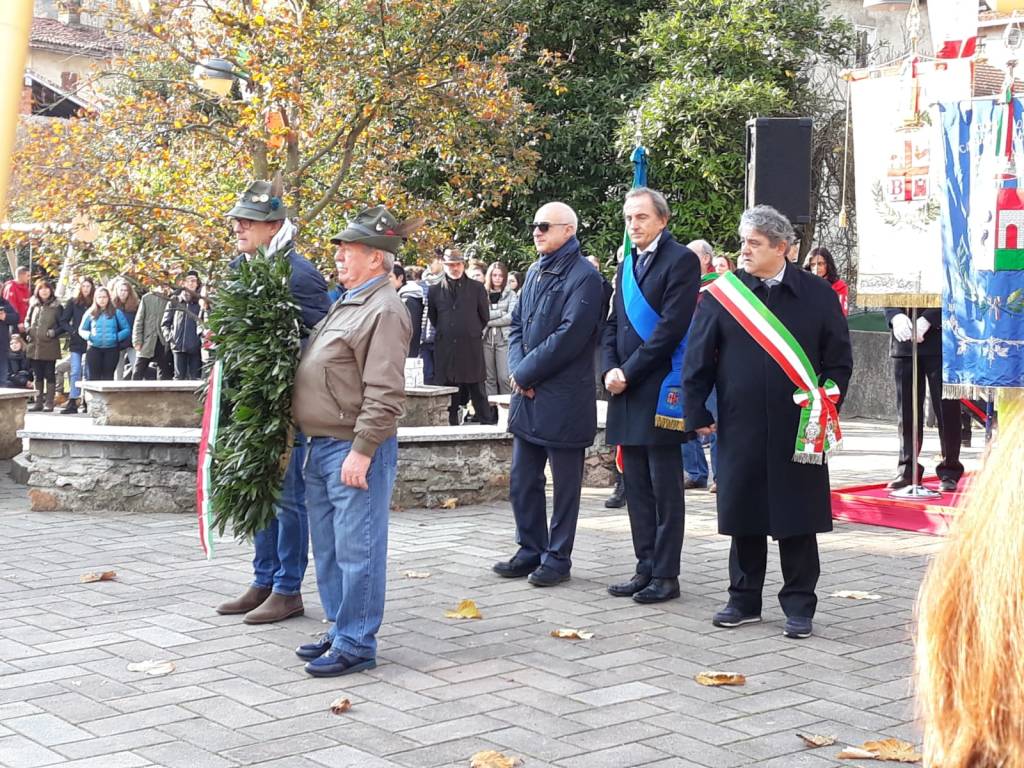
400	102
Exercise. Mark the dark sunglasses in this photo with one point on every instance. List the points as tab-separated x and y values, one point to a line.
544	226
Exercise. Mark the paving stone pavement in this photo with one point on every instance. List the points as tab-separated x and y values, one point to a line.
446	689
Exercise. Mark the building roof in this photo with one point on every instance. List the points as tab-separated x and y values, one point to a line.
84	40
988	80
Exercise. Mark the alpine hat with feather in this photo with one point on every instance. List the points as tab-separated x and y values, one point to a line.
261	201
377	227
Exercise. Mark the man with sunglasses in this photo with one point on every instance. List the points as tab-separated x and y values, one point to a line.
553	415
260	220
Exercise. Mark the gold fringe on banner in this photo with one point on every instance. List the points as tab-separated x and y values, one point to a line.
667	422
919	300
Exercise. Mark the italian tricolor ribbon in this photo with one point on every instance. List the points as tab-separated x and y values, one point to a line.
819	433
204	463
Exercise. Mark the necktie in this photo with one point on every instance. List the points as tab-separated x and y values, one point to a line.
769	282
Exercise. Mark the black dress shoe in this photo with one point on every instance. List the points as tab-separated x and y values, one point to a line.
513	569
547	577
315	649
691	485
658	591
899	482
618	498
631	587
947	484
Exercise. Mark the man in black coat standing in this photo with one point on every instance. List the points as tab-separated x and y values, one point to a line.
642	369
553	415
459	309
928	330
766	488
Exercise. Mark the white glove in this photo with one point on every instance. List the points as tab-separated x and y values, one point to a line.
901	327
922	328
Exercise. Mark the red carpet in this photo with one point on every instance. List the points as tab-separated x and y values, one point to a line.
871	505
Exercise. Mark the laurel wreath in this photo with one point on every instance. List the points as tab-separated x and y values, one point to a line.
920	220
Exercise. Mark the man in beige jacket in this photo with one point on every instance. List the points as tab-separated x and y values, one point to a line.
349	395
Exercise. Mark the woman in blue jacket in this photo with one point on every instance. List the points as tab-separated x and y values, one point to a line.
103	327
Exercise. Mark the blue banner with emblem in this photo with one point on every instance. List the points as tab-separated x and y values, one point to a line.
982	247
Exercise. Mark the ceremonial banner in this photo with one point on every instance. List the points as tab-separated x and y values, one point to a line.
899	180
954	26
982	248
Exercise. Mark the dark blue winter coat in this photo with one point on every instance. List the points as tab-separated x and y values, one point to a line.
8	326
308	286
105	331
551	350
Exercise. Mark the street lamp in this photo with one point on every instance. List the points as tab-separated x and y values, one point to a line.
216	75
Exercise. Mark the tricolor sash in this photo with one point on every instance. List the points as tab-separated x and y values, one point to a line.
204	462
819	433
643	317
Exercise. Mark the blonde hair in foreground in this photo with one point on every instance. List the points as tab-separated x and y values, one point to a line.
970	644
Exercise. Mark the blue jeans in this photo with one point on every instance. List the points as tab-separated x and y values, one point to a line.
349	527
78	369
695	466
282	549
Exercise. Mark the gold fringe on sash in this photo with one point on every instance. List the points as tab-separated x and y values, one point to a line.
965	392
667	422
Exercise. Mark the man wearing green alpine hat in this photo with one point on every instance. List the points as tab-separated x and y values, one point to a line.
349	394
260	220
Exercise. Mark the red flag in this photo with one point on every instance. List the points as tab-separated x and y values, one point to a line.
954	25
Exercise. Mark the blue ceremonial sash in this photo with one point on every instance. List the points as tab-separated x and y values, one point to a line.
643	318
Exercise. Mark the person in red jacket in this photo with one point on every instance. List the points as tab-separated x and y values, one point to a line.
18	292
820	262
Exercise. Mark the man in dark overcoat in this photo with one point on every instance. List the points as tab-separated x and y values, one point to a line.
638	372
553	414
763	491
928	330
459	309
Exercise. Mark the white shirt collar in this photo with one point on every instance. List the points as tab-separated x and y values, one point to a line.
778	277
653	245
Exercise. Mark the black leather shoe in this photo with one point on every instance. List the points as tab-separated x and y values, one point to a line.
947	485
547	577
618	498
631	587
316	649
899	482
658	591
513	569
694	484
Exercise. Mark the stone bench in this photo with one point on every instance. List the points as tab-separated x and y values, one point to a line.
12	418
74	464
143	403
426	406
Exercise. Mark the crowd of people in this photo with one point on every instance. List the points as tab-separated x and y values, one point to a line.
99	333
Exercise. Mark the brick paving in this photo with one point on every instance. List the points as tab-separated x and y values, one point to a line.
446	689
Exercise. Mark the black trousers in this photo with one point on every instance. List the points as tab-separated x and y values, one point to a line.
102	361
538	544
44	371
188	365
654	499
164	364
748	560
947	414
475	393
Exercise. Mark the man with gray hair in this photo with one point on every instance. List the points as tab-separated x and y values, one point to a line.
704	252
772	448
349	395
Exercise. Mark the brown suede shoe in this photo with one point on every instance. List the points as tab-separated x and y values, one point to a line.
275	608
253	597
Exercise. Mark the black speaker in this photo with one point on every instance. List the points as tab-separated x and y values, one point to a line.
779	165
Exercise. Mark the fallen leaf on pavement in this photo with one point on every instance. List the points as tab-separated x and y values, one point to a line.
450	503
720	678
855	594
340	706
152	667
855	753
417	575
571	634
493	759
88	578
814	740
893	750
467	610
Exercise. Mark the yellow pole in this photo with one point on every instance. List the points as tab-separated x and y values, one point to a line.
15	23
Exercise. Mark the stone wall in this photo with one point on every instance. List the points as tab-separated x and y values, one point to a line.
84	476
470	472
12	418
426	406
872	391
